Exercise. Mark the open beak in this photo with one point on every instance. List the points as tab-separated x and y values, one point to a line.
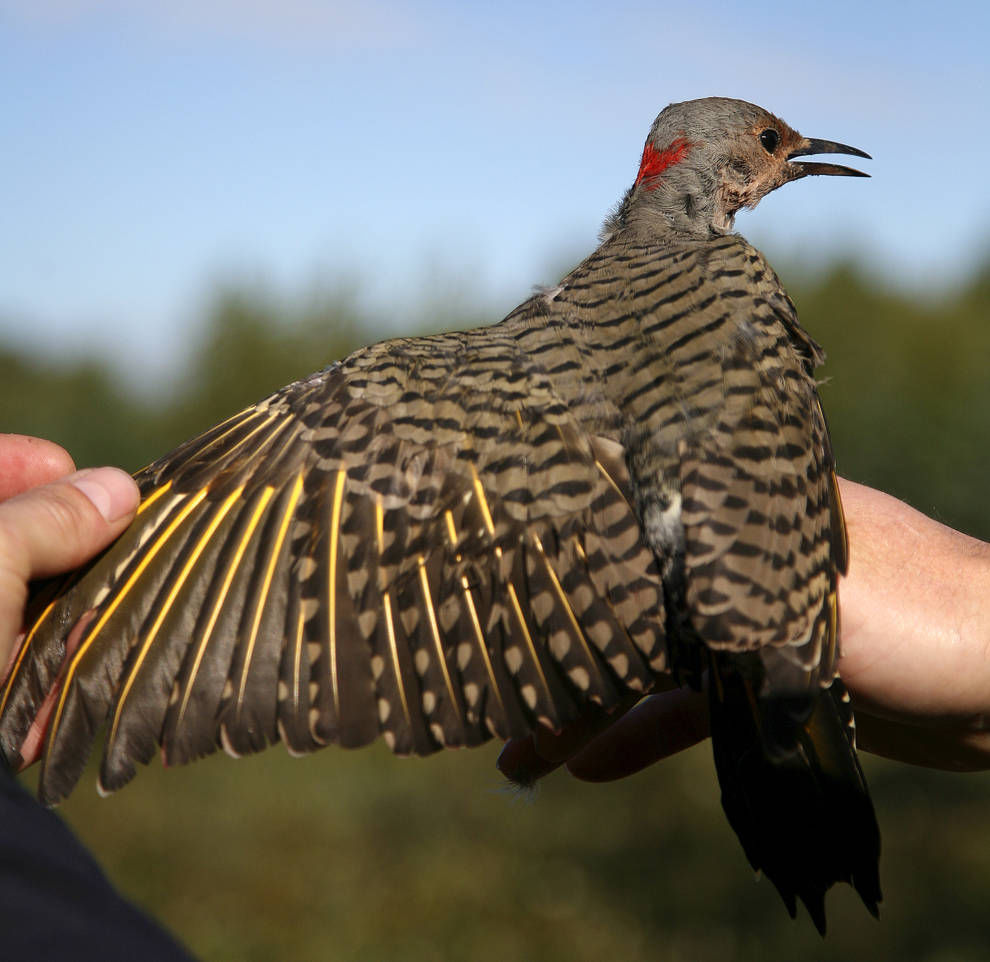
803	168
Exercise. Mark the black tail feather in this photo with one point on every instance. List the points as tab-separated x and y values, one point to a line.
793	790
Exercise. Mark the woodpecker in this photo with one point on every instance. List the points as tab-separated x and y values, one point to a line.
442	539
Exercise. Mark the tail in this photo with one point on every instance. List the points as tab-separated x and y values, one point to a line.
793	790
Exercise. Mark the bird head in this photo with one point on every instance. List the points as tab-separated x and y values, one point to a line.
704	160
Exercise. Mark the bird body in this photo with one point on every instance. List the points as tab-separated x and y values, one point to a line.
439	539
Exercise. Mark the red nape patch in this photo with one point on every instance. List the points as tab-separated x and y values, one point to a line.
655	162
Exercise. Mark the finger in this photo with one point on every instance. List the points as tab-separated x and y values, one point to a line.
526	760
557	747
958	748
28	462
522	764
54	528
30	749
58	526
658	726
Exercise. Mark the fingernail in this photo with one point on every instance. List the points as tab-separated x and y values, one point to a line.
112	491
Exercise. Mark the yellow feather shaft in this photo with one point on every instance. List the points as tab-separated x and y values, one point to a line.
451	528
529	638
153	497
393	646
338	500
152	633
297	658
481	639
611	481
222	597
380	525
266	420
431	616
483	502
118	598
266	584
23	651
567	606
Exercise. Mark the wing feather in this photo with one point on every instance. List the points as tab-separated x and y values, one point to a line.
416	543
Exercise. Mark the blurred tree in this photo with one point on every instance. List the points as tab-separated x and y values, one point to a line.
252	343
906	390
79	404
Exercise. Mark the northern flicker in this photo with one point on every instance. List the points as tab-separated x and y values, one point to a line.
440	539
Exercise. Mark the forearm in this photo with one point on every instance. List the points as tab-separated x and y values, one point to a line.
915	610
930	586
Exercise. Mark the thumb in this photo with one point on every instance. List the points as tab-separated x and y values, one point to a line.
55	528
658	726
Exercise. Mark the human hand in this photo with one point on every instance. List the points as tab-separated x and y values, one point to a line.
51	520
915	637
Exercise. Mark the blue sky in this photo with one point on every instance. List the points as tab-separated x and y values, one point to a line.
150	149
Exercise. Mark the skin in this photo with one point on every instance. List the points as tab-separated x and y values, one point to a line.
52	519
915	632
915	656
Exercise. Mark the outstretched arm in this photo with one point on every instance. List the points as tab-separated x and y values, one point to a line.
915	656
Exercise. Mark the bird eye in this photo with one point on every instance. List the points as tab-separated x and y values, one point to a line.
770	138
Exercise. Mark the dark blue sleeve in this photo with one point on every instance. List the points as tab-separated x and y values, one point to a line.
55	902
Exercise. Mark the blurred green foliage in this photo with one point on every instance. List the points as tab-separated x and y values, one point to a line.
907	392
355	855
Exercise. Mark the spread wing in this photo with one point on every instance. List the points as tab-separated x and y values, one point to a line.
419	542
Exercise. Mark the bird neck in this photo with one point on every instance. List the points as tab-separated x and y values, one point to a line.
684	203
